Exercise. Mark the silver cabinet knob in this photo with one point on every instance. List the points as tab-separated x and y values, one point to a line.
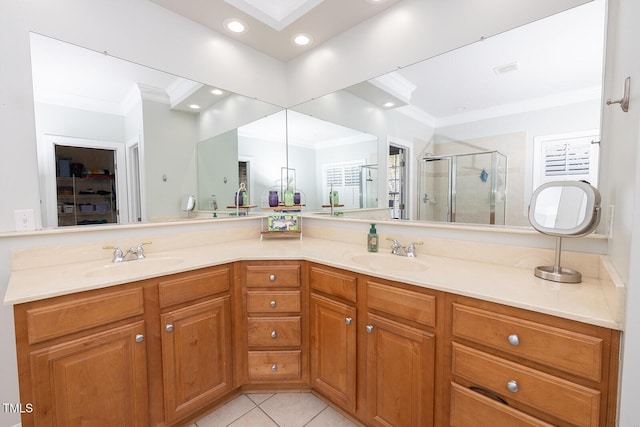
274	334
348	321
272	277
514	340
274	367
369	329
512	386
168	327
139	338
272	304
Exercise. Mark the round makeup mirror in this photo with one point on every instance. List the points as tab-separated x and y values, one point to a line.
564	209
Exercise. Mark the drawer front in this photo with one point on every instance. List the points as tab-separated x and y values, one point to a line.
56	320
401	302
192	286
572	352
555	396
333	283
471	409
273	331
274	365
266	276
273	301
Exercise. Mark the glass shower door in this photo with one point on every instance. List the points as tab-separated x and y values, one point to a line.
434	202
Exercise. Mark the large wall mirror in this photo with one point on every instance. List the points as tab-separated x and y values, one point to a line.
465	136
118	142
478	128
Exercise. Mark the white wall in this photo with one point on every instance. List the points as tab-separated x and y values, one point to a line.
170	139
622	162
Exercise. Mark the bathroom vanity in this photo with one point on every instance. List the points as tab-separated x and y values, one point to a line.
434	343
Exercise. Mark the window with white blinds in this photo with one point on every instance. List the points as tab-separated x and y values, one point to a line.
566	157
345	179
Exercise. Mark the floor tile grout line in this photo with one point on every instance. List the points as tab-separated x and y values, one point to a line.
317	415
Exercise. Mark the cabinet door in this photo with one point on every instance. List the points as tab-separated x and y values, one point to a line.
400	374
196	356
98	380
333	350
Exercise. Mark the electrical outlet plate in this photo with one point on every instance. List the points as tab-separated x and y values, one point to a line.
25	220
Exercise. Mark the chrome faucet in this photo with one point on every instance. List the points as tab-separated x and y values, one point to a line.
133	253
398	249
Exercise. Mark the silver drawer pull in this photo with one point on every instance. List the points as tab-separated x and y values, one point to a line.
274	367
512	386
369	329
272	277
513	340
274	334
169	327
272	304
139	338
348	320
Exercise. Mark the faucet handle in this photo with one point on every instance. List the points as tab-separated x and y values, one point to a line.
412	247
138	250
117	253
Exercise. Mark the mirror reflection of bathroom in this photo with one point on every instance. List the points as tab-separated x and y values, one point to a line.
468	188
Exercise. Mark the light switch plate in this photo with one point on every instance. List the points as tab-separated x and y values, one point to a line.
25	221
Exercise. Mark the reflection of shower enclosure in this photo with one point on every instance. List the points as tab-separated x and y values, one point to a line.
468	188
369	186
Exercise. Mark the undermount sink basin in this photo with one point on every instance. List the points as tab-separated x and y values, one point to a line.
134	267
389	262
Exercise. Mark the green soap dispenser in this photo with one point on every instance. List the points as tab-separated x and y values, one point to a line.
372	239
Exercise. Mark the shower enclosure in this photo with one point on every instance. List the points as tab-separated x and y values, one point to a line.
369	186
469	188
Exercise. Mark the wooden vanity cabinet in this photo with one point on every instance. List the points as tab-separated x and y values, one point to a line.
401	354
529	368
196	339
333	335
82	359
275	342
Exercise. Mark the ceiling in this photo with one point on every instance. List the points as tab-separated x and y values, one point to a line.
273	23
553	61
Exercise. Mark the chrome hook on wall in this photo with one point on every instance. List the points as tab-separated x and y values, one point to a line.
624	102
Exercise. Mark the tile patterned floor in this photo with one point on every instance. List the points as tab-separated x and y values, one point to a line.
275	410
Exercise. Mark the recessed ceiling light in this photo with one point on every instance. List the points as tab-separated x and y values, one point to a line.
194	106
217	91
388	104
302	39
376	1
235	25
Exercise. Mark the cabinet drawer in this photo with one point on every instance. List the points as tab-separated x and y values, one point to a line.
192	286
58	319
471	409
400	302
273	331
333	283
274	365
266	276
551	395
569	351
273	301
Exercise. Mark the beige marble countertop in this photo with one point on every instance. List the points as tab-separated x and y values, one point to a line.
594	301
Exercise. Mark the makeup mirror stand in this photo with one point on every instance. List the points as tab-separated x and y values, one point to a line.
556	273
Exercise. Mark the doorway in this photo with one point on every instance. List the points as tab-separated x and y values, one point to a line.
82	183
397	182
